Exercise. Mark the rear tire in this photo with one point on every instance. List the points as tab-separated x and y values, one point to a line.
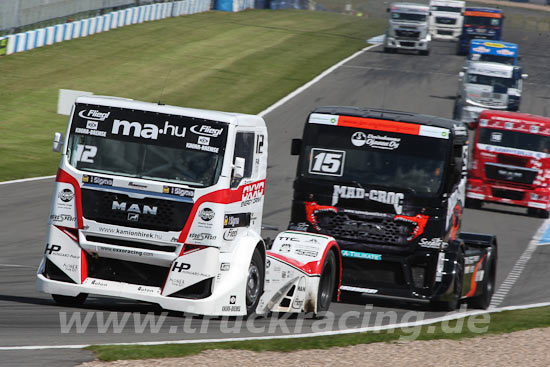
254	282
327	283
69	300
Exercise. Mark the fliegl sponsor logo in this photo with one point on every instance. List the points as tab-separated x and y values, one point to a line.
95	115
385	197
146	131
230	234
206	130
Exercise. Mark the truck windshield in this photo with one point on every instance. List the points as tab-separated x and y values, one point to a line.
481	21
491	80
449	9
514	139
408	17
371	157
492	58
147	145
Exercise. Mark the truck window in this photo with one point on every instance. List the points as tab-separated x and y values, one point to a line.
244	148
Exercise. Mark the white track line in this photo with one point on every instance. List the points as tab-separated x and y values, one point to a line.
26	180
519	266
261	114
313	81
453	316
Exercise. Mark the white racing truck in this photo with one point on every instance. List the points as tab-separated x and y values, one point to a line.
408	28
164	204
446	19
487	86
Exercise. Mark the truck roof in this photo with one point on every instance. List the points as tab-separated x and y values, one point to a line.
125	103
410	6
507	116
482	10
458	128
457	3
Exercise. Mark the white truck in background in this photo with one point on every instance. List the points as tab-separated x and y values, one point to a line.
164	204
408	28
446	19
487	86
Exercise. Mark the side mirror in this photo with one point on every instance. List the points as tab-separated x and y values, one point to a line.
461	75
387	10
57	142
472	125
524	76
296	147
238	168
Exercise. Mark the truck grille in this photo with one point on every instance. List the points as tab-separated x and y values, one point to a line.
379	230
131	244
508	194
169	215
445	20
407	34
502	172
512	160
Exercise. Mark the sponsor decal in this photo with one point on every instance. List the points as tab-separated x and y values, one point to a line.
99	283
131	233
94	115
285	247
97	180
179	267
383	142
361	255
178	191
85	131
207	214
146	131
231	308
205	140
232	300
470	263
230	234
306	252
327	162
62	218
253	191
202	236
206	130
71	268
148	290
301	226
505	52
125	251
434	243
236	220
179	283
267	264
66	195
225	266
481	49
204	148
359	138
385	197
50	249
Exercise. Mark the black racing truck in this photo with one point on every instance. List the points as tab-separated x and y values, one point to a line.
389	186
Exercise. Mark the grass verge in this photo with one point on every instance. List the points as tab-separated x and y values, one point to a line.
473	326
239	62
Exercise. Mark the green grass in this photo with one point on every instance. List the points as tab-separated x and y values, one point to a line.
239	62
500	323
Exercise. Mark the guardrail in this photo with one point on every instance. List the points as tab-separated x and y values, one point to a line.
25	41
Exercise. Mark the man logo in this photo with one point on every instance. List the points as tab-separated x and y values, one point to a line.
133	217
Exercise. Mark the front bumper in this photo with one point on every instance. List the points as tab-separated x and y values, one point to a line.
503	194
407	44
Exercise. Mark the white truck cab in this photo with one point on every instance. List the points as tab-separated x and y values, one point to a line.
487	85
164	204
408	28
446	19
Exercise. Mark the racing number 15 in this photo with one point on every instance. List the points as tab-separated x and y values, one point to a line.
327	162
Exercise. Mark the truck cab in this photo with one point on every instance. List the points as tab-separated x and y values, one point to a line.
493	51
389	186
487	85
446	19
480	23
164	204
407	28
511	162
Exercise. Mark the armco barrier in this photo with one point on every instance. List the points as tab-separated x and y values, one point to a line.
63	32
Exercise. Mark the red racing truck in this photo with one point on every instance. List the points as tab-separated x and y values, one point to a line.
511	162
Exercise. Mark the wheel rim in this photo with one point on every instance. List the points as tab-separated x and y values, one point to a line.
326	285
252	284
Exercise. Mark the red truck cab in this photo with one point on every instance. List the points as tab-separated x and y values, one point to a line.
511	162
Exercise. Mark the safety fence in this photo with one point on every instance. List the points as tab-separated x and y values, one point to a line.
63	32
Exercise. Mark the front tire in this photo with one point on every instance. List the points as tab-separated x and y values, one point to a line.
254	282
327	283
70	301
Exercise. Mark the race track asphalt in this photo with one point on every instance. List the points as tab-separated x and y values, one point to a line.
397	81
